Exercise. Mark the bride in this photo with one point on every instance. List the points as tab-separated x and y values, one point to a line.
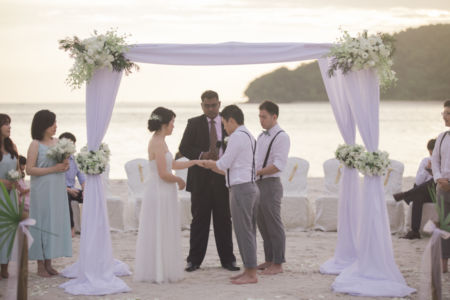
158	249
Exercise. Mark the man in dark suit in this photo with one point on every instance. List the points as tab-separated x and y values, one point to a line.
203	138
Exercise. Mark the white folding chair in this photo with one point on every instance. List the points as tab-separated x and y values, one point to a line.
327	204
184	199
392	183
296	210
138	171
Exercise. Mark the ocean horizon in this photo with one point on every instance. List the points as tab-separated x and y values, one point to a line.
405	128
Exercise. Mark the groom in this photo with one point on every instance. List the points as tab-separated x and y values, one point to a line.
203	139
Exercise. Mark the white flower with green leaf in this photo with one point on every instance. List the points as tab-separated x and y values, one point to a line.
13	175
348	154
373	163
63	149
364	52
93	162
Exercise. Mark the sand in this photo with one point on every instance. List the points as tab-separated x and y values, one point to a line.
305	252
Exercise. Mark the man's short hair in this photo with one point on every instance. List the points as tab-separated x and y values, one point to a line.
233	111
209	95
447	103
430	144
270	107
68	135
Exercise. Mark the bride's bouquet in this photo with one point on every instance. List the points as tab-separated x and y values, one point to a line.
93	162
13	175
63	149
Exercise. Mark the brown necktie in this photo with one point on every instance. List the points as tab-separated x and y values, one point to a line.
213	140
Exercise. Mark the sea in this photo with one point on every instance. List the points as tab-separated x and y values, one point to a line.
405	128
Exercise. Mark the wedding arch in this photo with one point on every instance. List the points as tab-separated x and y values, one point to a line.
363	256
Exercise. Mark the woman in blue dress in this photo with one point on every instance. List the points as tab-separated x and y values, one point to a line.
48	197
8	161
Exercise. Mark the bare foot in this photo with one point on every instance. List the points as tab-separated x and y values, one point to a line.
245	279
43	272
264	265
49	268
237	276
272	270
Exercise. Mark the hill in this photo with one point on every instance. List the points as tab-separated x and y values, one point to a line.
421	60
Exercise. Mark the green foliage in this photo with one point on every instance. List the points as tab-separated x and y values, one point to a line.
421	61
444	221
10	217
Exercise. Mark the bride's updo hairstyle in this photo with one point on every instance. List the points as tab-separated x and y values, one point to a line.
159	117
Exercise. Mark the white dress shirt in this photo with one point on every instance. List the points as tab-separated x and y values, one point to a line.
238	157
441	165
422	174
278	153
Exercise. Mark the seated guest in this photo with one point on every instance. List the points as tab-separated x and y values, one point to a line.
420	193
73	193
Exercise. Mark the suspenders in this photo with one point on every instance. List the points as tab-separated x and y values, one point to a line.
253	163
440	144
268	151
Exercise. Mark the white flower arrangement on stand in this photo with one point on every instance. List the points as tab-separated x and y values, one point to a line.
61	150
365	52
99	51
348	154
373	163
93	162
13	175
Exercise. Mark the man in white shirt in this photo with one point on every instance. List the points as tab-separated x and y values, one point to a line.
440	163
272	149
238	165
420	193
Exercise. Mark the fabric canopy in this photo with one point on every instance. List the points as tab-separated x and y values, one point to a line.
95	271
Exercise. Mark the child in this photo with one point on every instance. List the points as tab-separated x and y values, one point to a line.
24	189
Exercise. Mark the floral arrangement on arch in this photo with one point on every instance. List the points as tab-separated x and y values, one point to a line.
99	51
93	162
348	154
373	163
365	52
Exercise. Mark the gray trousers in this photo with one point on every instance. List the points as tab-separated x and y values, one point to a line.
244	205
440	194
269	219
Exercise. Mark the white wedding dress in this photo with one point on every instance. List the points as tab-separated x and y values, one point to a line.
158	247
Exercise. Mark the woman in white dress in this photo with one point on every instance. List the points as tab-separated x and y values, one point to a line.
158	249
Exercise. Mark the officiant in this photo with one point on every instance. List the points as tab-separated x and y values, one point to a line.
203	139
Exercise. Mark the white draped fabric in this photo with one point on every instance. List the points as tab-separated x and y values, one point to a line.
374	273
345	252
95	271
231	53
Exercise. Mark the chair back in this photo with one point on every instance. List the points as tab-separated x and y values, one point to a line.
332	170
392	180
294	176
138	171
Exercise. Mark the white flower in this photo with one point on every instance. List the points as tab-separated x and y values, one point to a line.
13	175
93	162
61	150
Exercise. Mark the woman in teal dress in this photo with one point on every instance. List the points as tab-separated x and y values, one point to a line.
48	197
8	161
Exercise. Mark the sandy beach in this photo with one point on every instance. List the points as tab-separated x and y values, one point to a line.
305	252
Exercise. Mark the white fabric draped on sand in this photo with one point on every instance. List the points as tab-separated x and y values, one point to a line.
95	271
374	273
349	194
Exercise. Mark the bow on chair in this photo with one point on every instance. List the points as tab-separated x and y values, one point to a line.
386	180
294	169
141	173
338	175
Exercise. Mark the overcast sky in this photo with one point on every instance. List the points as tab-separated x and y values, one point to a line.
34	69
